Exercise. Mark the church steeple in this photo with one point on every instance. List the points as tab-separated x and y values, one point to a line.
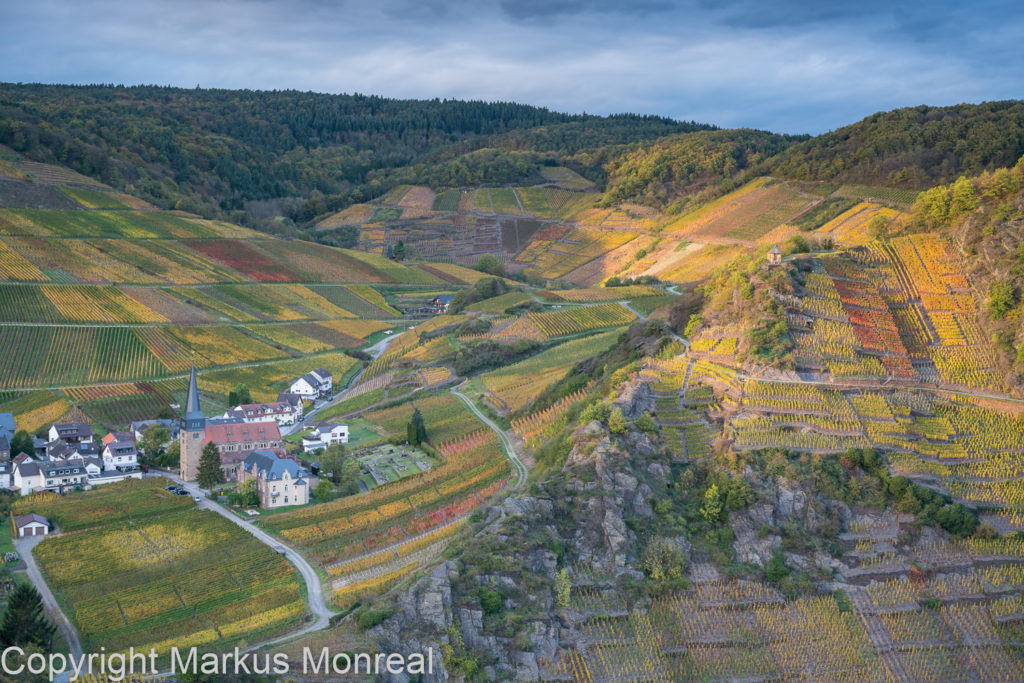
193	431
193	418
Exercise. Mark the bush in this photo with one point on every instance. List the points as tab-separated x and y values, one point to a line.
645	424
491	601
776	570
369	617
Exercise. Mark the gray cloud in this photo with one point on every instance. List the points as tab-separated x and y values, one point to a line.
792	66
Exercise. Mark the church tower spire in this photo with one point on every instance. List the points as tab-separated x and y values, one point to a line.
193	431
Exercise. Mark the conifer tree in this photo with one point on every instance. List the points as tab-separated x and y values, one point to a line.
210	473
25	621
416	431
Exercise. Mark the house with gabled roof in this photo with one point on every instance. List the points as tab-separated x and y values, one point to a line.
32	525
71	432
313	384
279	481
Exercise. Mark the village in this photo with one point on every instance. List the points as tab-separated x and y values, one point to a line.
269	444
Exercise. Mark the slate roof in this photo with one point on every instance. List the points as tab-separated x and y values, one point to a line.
7	424
268	465
74	429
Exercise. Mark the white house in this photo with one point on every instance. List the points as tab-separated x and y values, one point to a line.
294	400
120	455
71	433
325	435
279	481
283	412
313	384
49	475
32	525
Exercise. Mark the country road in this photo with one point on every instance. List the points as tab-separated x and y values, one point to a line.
517	464
377	350
314	590
24	547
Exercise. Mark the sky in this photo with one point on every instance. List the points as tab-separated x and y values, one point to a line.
789	66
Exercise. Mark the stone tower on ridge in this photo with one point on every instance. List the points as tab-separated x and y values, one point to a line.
193	432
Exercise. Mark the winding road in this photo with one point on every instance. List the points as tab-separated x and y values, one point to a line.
506	443
314	590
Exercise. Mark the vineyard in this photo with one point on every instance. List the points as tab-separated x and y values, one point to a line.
146	569
391	515
553	253
513	387
445	416
746	214
745	631
571	321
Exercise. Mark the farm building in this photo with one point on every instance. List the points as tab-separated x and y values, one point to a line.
441	303
279	481
32	525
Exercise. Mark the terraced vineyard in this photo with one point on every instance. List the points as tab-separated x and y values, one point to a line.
399	514
514	386
556	251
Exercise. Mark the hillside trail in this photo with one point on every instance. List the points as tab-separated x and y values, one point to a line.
510	451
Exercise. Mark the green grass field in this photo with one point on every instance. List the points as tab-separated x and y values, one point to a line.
503	199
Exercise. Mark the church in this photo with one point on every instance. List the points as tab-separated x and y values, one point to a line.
235	439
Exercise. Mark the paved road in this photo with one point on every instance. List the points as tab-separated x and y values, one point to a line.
377	350
517	464
314	590
24	547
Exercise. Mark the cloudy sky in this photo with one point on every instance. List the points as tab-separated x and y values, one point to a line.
792	66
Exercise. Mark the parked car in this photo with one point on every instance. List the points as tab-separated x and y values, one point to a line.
172	487
197	499
181	492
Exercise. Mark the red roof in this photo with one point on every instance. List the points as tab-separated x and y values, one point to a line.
242	433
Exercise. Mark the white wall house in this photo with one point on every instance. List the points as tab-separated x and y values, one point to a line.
71	433
120	455
50	475
313	384
323	436
282	412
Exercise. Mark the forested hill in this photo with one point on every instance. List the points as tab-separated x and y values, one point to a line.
915	147
274	160
216	151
